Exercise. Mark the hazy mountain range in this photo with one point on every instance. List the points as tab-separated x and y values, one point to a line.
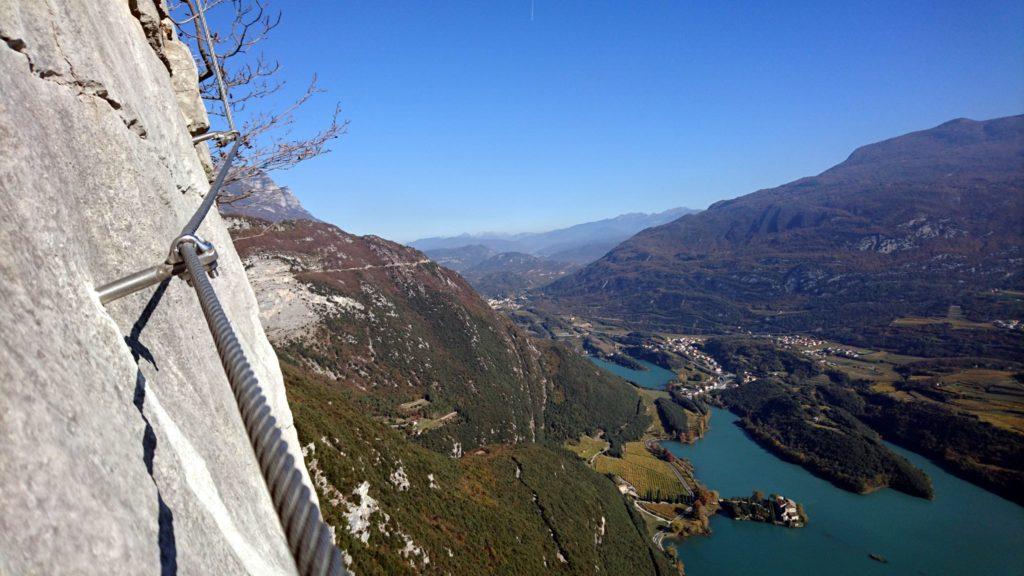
579	244
500	265
503	274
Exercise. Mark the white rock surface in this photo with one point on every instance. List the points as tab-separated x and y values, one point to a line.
289	307
110	465
260	197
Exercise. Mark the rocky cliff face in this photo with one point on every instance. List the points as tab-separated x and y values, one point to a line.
260	197
121	450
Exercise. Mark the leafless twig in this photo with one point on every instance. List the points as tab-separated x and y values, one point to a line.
267	144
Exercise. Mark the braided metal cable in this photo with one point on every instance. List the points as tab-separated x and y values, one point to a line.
309	537
211	196
199	12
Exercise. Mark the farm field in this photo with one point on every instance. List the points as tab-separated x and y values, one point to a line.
876	371
958	323
664	510
641	469
587	447
995	396
954	317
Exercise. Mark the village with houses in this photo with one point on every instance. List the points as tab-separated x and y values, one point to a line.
661	486
775	509
1015	325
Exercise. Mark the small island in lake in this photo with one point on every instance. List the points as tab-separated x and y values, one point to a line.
776	509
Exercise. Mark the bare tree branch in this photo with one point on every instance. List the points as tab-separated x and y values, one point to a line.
266	141
265	146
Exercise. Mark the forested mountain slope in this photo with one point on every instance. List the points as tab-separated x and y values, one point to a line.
414	339
401	508
905	226
430	422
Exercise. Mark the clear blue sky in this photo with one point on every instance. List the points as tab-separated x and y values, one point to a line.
470	116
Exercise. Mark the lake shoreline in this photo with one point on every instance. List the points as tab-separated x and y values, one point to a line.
954	534
652	377
787	454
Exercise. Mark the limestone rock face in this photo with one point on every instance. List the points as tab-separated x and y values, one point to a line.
121	449
260	197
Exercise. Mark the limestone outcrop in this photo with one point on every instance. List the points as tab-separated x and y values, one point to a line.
260	197
121	449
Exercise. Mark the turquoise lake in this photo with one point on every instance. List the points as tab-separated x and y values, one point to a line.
964	530
655	377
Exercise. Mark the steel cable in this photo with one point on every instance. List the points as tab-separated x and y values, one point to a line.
199	11
211	196
309	537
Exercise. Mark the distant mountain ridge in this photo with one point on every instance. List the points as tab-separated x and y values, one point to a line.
511	273
504	265
462	258
502	274
581	243
909	225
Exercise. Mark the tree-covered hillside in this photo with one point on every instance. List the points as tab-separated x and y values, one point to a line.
908	226
418	346
432	425
400	508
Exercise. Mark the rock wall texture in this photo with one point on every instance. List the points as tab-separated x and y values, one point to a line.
121	450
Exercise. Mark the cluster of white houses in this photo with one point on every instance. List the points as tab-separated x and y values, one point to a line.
688	347
788	513
799	341
1009	324
696	389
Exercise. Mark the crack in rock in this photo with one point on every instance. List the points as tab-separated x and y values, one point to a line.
81	87
149	15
